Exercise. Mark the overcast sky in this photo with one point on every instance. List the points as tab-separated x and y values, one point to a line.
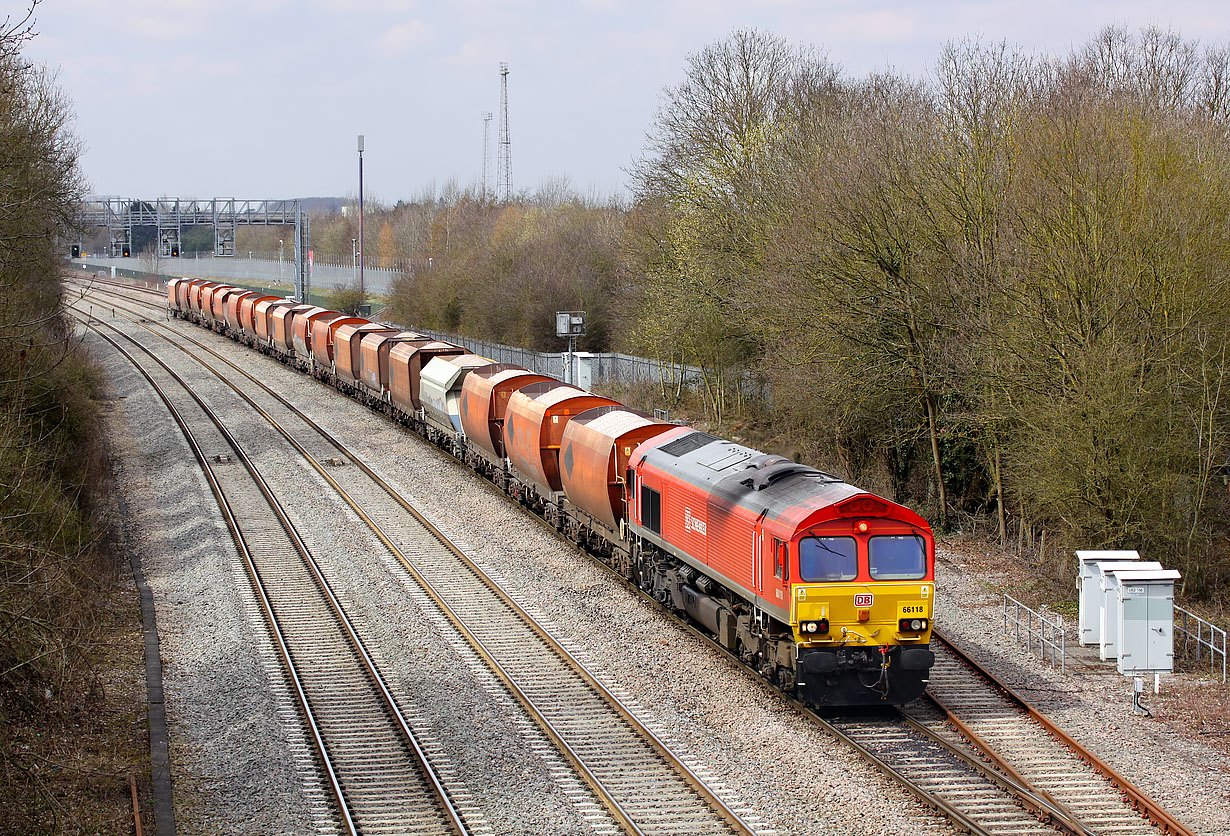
264	98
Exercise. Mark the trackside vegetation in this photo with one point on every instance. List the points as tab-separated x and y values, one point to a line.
997	293
1000	291
63	748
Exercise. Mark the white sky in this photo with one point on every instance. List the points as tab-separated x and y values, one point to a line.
264	98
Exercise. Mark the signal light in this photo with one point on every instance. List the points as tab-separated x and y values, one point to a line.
127	252
175	251
76	251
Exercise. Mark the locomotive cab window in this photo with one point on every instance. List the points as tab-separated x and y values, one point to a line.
828	559
897	558
781	566
651	509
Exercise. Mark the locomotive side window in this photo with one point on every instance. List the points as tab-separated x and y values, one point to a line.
781	567
897	558
828	559
651	509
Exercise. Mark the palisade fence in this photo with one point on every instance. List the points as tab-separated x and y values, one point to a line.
370	262
325	275
606	367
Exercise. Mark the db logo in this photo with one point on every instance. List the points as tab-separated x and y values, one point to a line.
863	599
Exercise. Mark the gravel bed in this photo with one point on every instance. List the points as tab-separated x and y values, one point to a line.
794	778
473	731
236	766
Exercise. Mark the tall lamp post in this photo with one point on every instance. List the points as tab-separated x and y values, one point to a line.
360	214
281	249
354	260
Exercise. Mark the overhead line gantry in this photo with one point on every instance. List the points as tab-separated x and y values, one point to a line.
225	214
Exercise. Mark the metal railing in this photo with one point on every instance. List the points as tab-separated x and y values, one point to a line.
1201	637
1035	629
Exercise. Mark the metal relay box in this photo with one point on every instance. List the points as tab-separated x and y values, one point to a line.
1145	620
1108	621
1089	589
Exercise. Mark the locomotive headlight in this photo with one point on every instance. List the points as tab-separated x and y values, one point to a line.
821	626
912	625
918	624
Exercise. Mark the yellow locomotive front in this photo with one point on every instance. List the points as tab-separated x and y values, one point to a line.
861	605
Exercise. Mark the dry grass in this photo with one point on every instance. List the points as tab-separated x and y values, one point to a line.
71	759
1198	709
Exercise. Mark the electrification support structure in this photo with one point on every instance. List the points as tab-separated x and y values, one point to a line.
169	215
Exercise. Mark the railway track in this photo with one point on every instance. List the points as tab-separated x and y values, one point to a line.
992	764
644	786
368	753
1024	743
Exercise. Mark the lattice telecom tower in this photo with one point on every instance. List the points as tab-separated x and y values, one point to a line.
505	170
486	149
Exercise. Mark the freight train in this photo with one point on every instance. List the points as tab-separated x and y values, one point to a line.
824	589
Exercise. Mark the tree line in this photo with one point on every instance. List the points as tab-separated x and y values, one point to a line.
998	290
996	293
56	573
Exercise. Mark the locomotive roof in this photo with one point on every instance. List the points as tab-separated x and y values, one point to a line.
742	476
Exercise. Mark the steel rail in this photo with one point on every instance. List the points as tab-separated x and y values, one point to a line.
1141	801
947	809
1009	780
1021	790
240	543
613	805
453	817
1056	808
